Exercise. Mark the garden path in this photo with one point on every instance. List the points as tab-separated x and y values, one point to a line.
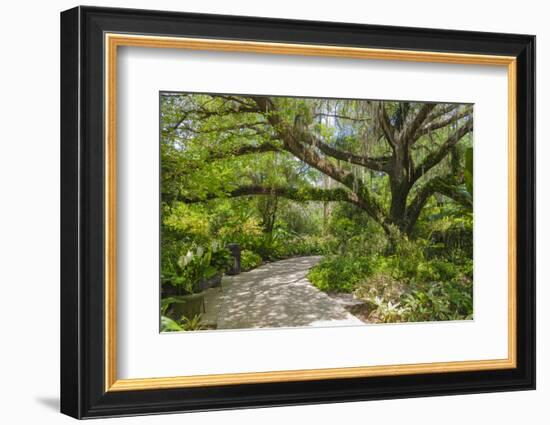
278	295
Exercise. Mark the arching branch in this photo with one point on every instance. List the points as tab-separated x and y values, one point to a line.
299	142
213	155
295	194
440	123
437	156
386	126
411	128
447	186
376	164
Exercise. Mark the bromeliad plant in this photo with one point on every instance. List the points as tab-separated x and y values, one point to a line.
184	324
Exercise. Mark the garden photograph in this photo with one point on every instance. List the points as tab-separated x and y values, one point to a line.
299	211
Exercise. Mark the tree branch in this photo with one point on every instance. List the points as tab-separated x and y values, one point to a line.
440	110
205	113
434	158
216	155
376	164
447	186
240	126
411	128
342	117
385	125
299	141
436	125
295	194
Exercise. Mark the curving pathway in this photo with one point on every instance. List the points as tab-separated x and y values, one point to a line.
277	295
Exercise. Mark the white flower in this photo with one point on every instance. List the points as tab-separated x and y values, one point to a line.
187	259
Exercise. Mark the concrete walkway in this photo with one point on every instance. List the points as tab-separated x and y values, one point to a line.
275	295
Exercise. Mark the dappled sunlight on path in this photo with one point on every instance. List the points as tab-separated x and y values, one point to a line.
278	295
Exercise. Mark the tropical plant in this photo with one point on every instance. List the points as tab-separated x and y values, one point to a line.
340	273
184	324
249	260
186	274
169	325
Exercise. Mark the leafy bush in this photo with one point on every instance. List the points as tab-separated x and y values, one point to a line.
249	260
447	230
446	300
221	258
354	233
185	222
392	301
380	285
242	229
184	275
340	273
283	244
302	247
407	258
267	247
403	286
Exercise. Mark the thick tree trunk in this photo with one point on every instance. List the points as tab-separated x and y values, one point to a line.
398	207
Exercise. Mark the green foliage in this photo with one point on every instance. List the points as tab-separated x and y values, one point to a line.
221	259
186	222
426	275
184	275
281	244
169	325
184	324
309	245
340	273
249	260
352	232
381	293
193	324
445	300
392	301
242	230
403	286
166	302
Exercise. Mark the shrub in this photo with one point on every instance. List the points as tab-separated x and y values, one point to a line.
391	301
382	294
407	258
246	231
380	285
436	270
340	274
249	260
183	274
450	300
282	244
302	247
221	257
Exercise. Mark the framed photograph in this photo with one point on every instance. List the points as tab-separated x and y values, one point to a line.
261	212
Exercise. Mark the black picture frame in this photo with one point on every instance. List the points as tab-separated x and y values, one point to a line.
83	392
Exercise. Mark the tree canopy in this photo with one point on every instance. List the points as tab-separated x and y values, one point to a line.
386	158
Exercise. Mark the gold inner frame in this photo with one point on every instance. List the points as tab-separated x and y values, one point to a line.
113	41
